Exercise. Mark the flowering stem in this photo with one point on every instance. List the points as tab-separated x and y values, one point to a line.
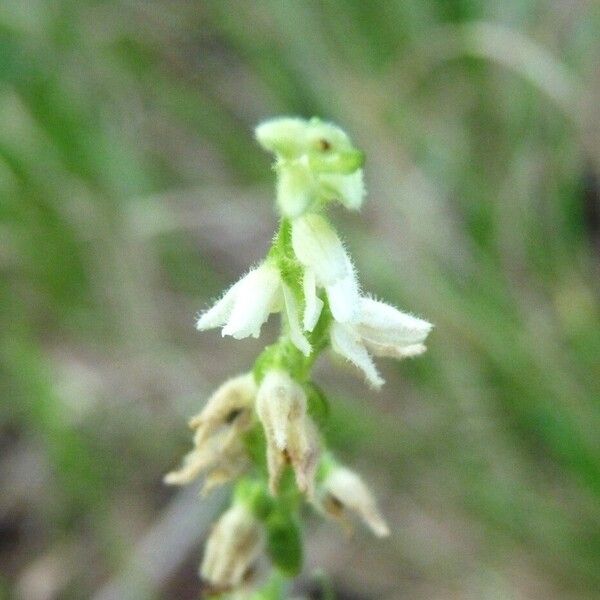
263	428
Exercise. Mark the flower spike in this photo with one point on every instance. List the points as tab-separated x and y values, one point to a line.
258	424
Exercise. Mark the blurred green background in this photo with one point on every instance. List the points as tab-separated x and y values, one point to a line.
132	192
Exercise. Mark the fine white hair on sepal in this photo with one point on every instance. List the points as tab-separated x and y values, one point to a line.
378	328
217	315
318	247
385	324
345	343
246	306
255	297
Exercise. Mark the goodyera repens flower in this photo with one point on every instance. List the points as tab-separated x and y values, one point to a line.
234	545
281	406
247	304
382	329
315	163
262	428
218	444
341	491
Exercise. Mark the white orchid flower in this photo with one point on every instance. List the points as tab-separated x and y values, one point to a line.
327	264
281	406
343	491
382	330
247	304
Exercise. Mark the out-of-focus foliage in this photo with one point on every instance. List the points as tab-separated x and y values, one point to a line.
131	191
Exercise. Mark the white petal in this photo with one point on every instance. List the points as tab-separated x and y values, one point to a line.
344	296
393	351
318	247
347	189
344	341
295	186
384	324
217	315
254	299
284	135
312	303
291	311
